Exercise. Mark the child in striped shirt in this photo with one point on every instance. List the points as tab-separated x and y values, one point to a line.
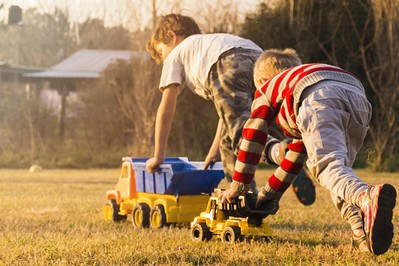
325	110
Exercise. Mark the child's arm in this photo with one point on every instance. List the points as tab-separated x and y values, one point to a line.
253	142
288	170
214	153
163	123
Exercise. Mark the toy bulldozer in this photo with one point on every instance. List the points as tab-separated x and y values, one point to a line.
233	222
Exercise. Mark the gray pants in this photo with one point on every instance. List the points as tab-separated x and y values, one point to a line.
333	119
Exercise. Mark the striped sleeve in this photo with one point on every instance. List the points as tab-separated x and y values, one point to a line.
254	137
290	167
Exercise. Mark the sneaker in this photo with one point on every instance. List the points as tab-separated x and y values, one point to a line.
304	189
377	205
359	241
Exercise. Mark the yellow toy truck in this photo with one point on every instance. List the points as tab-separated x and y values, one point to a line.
175	194
232	222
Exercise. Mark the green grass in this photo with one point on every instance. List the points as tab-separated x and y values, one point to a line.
54	217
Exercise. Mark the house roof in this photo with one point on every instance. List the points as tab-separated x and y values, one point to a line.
86	64
15	73
7	67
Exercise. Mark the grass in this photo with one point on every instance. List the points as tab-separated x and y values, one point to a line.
54	217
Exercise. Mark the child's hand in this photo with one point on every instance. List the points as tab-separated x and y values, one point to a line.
229	195
236	189
271	205
209	161
212	157
152	164
261	198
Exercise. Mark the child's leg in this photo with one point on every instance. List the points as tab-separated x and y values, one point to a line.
227	155
350	213
230	85
334	122
353	216
229	158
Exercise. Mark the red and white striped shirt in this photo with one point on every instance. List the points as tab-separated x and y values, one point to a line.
278	99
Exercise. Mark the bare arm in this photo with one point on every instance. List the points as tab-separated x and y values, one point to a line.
163	123
214	152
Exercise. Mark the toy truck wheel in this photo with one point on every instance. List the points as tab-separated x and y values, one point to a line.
231	234
158	217
111	212
141	215
201	232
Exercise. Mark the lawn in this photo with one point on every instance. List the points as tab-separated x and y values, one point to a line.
54	217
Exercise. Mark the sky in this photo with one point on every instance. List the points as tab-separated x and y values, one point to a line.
125	12
110	11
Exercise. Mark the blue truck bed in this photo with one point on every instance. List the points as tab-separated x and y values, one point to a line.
176	176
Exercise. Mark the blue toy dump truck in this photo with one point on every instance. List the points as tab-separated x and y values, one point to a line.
175	194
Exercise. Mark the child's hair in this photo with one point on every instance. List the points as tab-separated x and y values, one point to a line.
274	61
181	25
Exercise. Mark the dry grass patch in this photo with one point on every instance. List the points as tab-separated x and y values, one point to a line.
54	217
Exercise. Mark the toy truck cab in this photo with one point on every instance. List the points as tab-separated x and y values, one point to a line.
173	195
125	188
231	222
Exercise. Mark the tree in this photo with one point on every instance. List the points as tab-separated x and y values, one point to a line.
268	27
380	61
361	36
94	35
42	40
223	16
121	113
27	126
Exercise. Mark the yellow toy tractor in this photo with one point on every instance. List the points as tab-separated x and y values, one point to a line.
232	222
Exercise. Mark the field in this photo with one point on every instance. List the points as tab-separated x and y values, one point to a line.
54	217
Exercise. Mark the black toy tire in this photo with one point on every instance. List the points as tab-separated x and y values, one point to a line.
141	215
158	217
231	234
116	217
200	232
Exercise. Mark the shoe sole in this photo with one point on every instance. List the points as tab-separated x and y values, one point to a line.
381	234
304	189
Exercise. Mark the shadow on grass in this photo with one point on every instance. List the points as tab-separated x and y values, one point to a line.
310	234
313	227
310	243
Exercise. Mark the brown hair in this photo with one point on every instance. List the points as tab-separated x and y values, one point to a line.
274	61
181	25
